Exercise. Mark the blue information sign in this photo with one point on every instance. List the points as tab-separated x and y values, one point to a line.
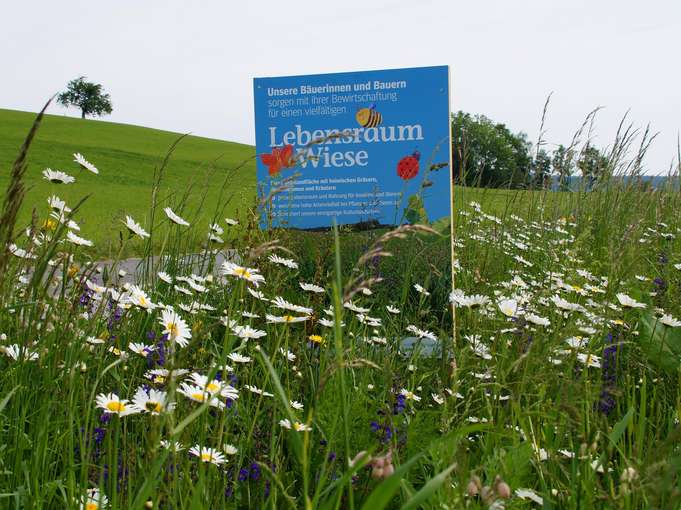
370	148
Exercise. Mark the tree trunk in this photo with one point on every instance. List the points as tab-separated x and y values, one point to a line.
82	114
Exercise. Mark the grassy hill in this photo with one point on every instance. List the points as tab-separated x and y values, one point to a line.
126	157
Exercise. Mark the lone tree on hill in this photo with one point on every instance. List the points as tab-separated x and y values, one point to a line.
87	96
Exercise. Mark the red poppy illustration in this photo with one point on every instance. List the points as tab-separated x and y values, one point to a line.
281	157
408	166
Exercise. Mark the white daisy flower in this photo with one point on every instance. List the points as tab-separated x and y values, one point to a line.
353	307
93	500
112	404
215	387
421	333
175	446
210	455
566	305
216	229
311	287
577	342
17	352
529	494
165	277
258	391
421	290
438	399
257	294
247	332
280	302
141	349
590	360
230	449
135	227
57	176
409	395
199	394
508	307
231	222
155	402
196	286
458	298
20	252
175	218
287	319
296	405
61	218
287	354
175	327
58	204
245	273
238	358
98	289
536	319
629	302
292	264
77	240
139	298
84	163
182	290
670	321
392	309
297	426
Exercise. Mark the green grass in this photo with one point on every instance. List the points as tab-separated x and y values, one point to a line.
126	157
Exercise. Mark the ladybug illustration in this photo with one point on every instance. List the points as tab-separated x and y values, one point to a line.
408	166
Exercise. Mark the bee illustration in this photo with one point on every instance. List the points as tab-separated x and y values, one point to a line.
368	117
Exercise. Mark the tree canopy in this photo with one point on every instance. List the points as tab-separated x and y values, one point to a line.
89	97
488	154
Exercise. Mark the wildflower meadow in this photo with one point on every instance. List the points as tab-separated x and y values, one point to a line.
282	369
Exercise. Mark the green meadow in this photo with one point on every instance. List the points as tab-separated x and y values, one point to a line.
318	372
211	178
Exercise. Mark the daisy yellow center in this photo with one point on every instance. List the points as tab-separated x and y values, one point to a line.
316	339
143	301
198	396
242	272
212	387
206	457
288	318
115	407
154	407
159	379
172	329
92	506
49	224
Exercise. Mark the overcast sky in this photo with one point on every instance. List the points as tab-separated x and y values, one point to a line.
187	66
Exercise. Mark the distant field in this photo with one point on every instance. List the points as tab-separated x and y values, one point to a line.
126	157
